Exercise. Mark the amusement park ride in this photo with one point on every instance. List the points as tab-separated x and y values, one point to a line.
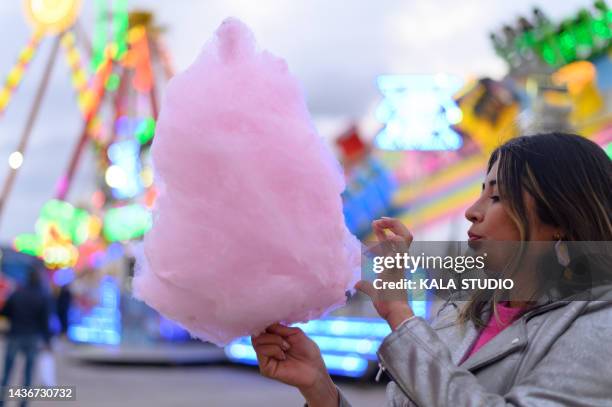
116	78
115	86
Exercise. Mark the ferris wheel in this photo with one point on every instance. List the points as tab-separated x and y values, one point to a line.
114	75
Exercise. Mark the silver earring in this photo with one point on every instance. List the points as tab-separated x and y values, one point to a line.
562	253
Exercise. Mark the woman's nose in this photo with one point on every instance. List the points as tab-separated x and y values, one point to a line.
473	214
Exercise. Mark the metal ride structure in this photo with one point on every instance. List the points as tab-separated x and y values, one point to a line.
115	85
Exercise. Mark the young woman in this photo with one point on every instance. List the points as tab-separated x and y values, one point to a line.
553	188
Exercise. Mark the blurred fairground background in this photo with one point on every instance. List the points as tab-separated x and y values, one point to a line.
411	96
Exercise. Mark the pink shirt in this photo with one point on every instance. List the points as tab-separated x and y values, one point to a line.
507	315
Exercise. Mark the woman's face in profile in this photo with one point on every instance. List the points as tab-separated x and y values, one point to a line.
491	220
489	217
491	223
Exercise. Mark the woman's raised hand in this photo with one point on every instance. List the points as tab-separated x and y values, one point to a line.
394	236
286	354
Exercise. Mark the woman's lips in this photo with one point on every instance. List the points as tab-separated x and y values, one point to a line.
473	236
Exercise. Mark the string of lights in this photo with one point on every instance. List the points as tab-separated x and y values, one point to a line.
15	75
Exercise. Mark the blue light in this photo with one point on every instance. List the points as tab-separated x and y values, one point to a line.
241	353
368	195
364	347
351	366
172	331
343	365
126	155
114	251
103	324
355	327
418	298
63	276
418	112
420	308
348	344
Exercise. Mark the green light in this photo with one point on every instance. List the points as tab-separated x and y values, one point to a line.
28	244
601	29
145	130
609	150
58	212
113	82
548	55
120	26
126	223
568	46
583	36
99	37
579	37
79	229
70	221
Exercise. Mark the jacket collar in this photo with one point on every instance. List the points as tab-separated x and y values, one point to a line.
512	338
508	341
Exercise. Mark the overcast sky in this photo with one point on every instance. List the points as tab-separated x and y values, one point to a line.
335	47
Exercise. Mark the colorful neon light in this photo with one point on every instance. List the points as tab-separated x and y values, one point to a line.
103	324
15	76
418	112
109	40
54	16
75	62
139	59
347	344
126	223
123	175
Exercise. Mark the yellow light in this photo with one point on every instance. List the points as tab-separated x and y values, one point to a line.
14	77
73	57
52	16
60	256
95	227
136	33
111	50
147	177
5	96
115	176
87	99
26	55
79	80
15	160
68	39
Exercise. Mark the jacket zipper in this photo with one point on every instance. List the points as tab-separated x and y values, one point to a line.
381	369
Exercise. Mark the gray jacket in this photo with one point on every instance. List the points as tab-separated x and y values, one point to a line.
557	354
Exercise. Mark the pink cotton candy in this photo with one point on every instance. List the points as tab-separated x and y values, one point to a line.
248	226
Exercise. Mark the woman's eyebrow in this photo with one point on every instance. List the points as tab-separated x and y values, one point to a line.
492	183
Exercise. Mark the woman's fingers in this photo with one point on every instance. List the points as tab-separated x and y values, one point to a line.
270	351
380	233
367	288
394	225
283	330
270	339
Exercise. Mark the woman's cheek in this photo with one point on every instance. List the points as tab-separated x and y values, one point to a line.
500	225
